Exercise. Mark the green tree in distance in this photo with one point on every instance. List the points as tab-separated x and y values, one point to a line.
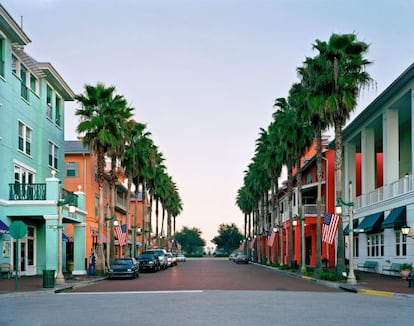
190	240
229	237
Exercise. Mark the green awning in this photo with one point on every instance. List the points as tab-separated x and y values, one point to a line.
354	223
372	223
396	219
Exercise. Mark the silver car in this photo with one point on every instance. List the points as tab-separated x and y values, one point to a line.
162	256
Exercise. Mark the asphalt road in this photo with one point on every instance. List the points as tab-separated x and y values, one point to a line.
205	292
210	274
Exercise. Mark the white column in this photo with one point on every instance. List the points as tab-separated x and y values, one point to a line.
368	160
391	146
349	168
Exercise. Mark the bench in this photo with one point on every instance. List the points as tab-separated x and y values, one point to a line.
393	268
368	265
5	269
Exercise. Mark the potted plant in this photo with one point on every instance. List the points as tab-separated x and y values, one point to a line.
405	269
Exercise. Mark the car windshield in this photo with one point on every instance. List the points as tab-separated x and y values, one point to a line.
146	256
122	262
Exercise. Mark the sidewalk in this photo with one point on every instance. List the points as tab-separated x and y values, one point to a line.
368	283
34	284
372	283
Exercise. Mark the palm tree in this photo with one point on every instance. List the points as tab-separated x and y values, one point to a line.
312	81
344	71
98	104
304	137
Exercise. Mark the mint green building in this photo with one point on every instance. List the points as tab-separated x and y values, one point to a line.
32	97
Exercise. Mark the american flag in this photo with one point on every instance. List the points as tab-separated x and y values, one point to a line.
241	247
121	234
169	244
251	243
329	227
178	246
271	239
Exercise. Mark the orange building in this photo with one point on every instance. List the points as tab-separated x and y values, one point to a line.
80	173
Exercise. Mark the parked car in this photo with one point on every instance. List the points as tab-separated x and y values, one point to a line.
171	259
148	261
232	256
162	257
124	267
180	257
241	258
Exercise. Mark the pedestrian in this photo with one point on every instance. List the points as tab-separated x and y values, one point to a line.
92	263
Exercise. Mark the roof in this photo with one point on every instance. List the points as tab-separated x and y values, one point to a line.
9	27
75	147
391	91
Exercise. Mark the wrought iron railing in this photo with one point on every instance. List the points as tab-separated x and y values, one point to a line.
69	197
27	191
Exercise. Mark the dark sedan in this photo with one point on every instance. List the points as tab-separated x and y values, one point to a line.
148	261
124	267
241	258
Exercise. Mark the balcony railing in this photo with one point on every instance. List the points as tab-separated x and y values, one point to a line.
69	197
27	191
388	191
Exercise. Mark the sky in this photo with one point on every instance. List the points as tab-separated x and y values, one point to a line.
204	74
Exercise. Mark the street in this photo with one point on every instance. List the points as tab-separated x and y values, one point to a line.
206	292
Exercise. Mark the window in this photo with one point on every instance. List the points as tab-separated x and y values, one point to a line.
53	155
375	245
96	206
72	169
49	102
15	64
356	246
309	178
400	244
23	78
25	138
2	57
23	175
58	110
34	84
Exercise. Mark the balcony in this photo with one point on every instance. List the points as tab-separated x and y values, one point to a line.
27	191
392	190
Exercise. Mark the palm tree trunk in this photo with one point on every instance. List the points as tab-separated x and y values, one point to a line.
318	263
290	183
340	254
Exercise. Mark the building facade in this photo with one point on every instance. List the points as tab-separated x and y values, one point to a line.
32	97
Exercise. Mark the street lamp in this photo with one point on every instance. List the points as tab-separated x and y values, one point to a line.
60	279
338	211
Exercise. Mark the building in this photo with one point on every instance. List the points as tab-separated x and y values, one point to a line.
32	97
378	148
81	173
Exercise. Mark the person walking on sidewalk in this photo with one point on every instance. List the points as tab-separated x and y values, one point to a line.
92	263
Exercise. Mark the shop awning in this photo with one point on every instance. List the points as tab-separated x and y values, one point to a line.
354	223
3	227
396	219
372	223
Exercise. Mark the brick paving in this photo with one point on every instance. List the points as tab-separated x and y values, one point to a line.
365	280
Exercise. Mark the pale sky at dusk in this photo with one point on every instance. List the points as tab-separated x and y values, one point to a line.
204	74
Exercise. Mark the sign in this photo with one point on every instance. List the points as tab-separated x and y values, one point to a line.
18	229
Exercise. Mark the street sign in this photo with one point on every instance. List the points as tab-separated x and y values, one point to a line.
18	229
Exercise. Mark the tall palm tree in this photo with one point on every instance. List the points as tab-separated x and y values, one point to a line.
98	104
312	81
344	70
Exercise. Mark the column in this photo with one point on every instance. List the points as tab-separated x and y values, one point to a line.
79	249
391	146
368	161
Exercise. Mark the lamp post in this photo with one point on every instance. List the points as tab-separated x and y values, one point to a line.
60	279
338	210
